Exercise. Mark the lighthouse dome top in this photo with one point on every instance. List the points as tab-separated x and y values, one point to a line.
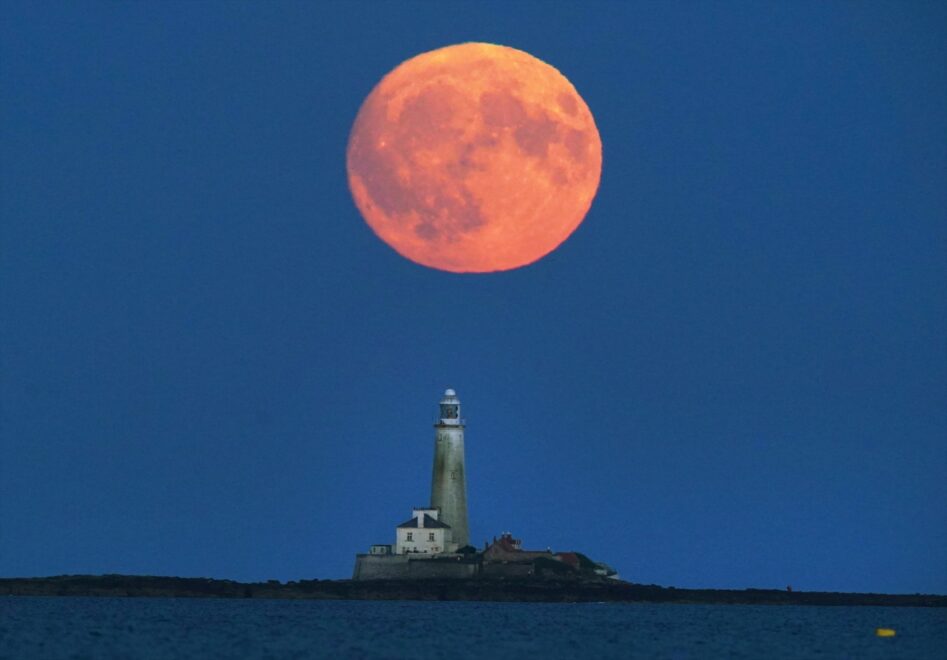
450	410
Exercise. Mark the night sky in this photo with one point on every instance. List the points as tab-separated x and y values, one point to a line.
733	374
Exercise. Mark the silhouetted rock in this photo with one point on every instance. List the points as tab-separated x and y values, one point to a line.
552	588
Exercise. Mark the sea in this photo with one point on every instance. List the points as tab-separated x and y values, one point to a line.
72	627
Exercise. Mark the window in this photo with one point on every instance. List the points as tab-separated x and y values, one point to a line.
410	536
430	536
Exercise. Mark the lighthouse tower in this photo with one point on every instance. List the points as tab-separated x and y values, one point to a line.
448	485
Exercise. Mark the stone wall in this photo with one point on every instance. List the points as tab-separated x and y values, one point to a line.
504	569
420	568
380	567
399	567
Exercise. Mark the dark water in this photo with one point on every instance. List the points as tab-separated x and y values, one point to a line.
169	628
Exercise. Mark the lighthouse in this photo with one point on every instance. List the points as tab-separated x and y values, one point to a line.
448	484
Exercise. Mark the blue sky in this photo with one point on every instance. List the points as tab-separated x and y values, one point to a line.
733	374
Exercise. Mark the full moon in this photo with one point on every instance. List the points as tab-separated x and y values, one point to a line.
474	158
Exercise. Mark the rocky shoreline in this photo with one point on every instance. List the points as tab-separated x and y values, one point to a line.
474	589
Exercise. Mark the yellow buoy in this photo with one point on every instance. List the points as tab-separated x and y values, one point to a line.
885	632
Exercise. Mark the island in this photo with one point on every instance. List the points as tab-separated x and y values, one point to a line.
432	559
561	589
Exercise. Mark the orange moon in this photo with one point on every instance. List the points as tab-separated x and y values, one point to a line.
474	158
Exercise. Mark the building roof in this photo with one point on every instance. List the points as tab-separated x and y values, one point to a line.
429	522
570	558
509	549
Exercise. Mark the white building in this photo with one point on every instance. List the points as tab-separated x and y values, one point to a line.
441	528
424	534
449	481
